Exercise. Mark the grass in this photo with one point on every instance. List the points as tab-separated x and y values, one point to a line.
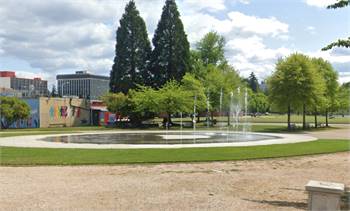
40	156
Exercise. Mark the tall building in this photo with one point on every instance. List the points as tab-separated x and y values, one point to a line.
27	87
83	85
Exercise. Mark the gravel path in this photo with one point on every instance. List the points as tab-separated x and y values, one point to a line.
272	184
342	133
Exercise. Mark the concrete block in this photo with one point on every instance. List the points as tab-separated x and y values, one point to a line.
324	196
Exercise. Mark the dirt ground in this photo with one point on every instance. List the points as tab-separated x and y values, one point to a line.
272	184
343	132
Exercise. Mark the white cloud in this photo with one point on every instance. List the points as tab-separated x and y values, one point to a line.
64	35
320	3
256	25
311	30
244	1
252	55
344	77
340	60
212	5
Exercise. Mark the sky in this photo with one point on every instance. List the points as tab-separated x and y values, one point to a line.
45	38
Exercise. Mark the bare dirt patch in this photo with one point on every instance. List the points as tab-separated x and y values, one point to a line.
273	184
342	132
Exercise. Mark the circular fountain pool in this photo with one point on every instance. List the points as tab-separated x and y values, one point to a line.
159	138
152	139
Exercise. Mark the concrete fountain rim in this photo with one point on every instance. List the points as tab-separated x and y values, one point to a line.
34	141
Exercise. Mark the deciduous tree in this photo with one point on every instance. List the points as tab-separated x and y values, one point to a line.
13	109
211	49
329	102
295	84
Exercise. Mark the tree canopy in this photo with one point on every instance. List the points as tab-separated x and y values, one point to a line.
295	83
171	54
253	82
169	99
258	102
343	97
211	49
132	52
13	109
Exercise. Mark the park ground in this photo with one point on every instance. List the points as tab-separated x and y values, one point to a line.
263	184
270	184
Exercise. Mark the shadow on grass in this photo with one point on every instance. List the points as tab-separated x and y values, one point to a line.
293	204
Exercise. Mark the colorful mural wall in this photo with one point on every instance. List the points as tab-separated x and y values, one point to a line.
57	111
107	118
34	119
64	112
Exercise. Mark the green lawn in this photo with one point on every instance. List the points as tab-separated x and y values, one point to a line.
41	156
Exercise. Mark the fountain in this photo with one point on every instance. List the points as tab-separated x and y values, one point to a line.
220	108
181	125
246	126
194	118
208	112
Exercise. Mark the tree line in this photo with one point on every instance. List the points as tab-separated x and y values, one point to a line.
171	78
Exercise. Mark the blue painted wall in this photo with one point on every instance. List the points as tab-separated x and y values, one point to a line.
34	119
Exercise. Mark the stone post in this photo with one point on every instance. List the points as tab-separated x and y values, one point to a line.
324	196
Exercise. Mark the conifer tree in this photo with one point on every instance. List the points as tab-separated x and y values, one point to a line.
171	54
132	52
253	82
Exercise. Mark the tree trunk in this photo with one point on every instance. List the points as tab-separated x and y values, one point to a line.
304	116
315	118
169	120
228	119
327	117
289	126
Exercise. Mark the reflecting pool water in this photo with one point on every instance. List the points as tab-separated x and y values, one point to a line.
159	138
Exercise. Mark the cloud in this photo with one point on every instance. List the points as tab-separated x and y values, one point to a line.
320	3
200	5
311	30
61	36
252	55
256	25
339	58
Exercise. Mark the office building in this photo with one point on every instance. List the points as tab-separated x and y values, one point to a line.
83	85
27	87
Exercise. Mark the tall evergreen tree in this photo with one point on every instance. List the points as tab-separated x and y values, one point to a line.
132	52
53	92
253	82
171	54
